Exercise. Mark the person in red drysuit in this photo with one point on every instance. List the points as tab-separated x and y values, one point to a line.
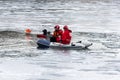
66	36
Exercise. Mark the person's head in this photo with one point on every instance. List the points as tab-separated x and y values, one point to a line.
28	31
57	27
65	27
44	32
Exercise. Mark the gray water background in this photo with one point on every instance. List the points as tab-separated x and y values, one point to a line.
94	21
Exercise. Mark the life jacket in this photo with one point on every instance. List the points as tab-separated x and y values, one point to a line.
58	34
66	37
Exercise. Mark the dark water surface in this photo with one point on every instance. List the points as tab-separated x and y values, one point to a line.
95	21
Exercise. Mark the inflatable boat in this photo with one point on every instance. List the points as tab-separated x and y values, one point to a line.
45	44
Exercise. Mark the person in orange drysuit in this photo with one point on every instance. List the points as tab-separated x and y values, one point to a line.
57	34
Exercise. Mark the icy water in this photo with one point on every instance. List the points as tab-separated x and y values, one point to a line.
95	21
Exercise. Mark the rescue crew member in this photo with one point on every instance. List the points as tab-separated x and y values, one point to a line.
57	34
66	36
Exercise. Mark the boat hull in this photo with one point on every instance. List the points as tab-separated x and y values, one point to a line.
54	45
43	43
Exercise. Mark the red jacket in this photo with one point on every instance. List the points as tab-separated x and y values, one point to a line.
66	37
41	36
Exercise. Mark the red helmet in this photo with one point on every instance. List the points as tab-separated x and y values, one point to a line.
65	27
57	27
